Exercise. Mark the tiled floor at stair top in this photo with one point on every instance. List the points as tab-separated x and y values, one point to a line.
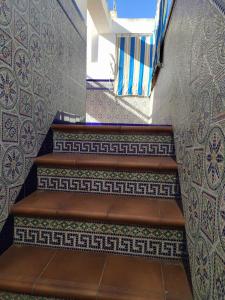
83	275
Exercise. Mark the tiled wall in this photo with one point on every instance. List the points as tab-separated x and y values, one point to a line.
42	71
192	87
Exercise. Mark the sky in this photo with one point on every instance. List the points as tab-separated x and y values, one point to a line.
135	8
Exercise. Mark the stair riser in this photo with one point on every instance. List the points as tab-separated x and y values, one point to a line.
108	182
12	296
140	145
119	239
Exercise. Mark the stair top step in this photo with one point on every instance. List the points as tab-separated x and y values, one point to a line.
124	129
108	208
99	161
71	274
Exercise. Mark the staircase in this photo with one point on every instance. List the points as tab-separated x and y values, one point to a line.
105	222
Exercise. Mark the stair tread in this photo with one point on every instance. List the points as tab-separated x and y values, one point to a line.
120	129
87	275
108	208
107	161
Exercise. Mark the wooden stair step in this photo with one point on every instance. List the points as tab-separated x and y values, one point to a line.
70	274
107	208
74	160
120	129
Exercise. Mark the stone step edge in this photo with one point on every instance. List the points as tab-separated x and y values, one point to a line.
156	163
151	129
103	213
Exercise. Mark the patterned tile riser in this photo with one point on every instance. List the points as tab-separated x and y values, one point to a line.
95	236
141	145
108	182
12	296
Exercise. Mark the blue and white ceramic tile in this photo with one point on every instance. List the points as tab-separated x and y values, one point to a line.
30	72
191	85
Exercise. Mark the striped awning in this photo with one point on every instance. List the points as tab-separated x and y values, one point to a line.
138	57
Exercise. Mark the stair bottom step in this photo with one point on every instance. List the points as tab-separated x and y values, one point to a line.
64	274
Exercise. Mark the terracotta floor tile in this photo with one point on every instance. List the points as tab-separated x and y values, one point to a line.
72	274
136	277
19	269
64	205
171	213
176	283
56	159
141	211
125	129
115	162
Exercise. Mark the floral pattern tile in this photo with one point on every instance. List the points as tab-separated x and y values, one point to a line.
192	83
29	99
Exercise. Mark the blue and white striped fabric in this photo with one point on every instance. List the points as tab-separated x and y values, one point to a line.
135	65
138	56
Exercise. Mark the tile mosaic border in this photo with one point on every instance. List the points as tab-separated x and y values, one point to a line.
95	236
114	144
126	183
15	296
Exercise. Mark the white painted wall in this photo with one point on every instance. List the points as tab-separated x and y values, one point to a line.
101	47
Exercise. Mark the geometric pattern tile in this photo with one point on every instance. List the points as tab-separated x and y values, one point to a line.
120	239
114	144
28	138
204	117
215	157
12	296
10	127
34	17
193	212
202	270
221	218
21	5
5	48
20	30
13	164
36	51
186	172
25	103
219	277
118	182
8	88
23	67
208	218
197	166
5	12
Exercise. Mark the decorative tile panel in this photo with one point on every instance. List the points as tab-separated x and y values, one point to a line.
191	87
30	93
126	183
148	145
5	47
10	127
120	239
20	29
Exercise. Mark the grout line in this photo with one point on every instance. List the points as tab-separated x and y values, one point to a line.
163	281
101	278
43	270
